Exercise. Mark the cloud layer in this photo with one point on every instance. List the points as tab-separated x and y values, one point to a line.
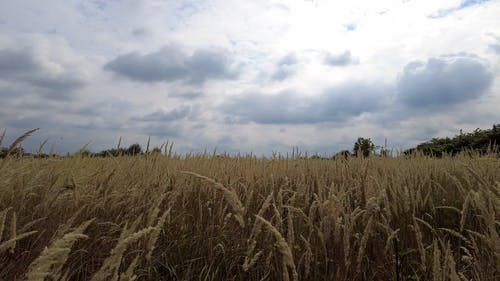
444	81
25	68
341	59
334	104
171	64
246	76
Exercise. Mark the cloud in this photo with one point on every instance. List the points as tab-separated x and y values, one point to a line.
140	32
470	3
171	64
164	123
350	26
342	59
45	83
334	104
163	130
444	81
185	95
495	48
166	116
30	67
463	5
285	67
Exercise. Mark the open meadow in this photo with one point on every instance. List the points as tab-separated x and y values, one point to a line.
204	217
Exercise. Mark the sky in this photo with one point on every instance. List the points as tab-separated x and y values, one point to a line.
247	76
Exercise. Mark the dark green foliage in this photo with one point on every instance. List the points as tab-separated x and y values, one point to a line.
156	150
363	147
15	152
481	141
134	149
342	154
3	152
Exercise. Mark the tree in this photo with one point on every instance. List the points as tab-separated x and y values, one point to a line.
156	150
134	149
342	154
15	152
3	152
363	146
480	141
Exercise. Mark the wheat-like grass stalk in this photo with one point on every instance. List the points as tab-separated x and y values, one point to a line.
110	266
156	234
364	241
389	240
257	226
3	217
13	230
452	268
40	147
278	219
2	136
283	248
230	196
250	262
454	233
156	210
437	273
19	140
307	256
420	243
290	234
129	275
53	257
10	244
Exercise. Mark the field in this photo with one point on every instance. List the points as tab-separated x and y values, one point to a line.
204	217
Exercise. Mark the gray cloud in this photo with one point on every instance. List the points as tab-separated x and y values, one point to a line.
285	67
163	130
342	59
140	32
166	116
170	64
444	81
495	48
185	95
335	104
24	68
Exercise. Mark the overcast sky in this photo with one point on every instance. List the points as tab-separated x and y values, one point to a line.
247	76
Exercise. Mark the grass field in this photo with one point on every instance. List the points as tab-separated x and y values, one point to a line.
156	217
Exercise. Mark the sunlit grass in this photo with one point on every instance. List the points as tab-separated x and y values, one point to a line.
200	217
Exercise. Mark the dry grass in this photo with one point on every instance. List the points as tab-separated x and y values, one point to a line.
248	218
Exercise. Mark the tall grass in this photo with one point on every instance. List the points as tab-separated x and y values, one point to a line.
200	217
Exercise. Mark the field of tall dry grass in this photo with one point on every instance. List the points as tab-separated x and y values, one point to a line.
199	217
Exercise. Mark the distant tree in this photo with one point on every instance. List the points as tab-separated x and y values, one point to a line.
85	153
363	146
134	149
3	152
342	154
156	150
316	157
384	152
15	152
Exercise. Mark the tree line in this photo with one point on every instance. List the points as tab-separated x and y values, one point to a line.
479	141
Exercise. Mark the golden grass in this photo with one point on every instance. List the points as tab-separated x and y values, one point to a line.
202	217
